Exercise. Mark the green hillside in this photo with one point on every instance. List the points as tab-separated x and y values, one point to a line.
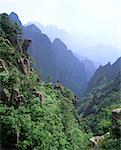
33	115
97	110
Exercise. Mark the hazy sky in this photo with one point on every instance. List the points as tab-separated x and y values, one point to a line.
97	19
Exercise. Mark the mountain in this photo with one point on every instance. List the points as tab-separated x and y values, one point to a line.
14	17
81	44
41	51
104	74
39	115
55	60
101	106
54	32
74	41
33	114
97	105
72	72
47	55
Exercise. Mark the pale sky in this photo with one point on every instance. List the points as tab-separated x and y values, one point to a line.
97	19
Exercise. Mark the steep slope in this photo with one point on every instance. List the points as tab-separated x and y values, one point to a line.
33	115
101	106
97	110
97	105
54	32
56	61
104	74
41	51
70	71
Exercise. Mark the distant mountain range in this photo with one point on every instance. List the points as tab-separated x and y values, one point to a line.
55	61
100	53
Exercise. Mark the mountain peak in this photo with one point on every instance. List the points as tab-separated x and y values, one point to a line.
13	14
57	41
33	28
14	17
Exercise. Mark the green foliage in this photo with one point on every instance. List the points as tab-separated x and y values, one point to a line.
31	121
51	125
97	106
11	30
110	143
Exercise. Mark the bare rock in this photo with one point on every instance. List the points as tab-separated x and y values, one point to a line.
25	65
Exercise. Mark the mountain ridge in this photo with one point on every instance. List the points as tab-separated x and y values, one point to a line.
58	61
105	74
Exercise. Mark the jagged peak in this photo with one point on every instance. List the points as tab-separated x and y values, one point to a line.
13	13
33	28
14	17
57	41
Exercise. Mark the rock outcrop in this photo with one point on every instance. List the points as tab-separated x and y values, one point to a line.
116	122
25	65
96	140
